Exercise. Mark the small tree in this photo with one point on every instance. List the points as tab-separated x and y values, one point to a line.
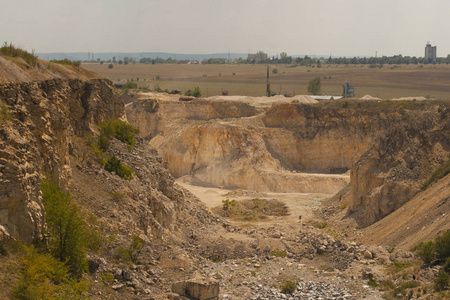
110	66
314	86
66	226
197	92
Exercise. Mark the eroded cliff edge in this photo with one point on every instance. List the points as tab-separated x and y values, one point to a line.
393	171
36	140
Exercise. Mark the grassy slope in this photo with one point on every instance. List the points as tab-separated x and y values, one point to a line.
15	69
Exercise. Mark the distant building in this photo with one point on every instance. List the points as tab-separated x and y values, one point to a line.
348	90
430	52
258	56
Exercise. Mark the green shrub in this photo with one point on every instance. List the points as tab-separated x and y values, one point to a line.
441	281
66	227
135	247
442	246
118	129
93	234
44	277
439	250
113	164
103	142
123	254
446	265
288	287
129	254
195	93
14	51
129	85
426	252
107	278
110	66
275	71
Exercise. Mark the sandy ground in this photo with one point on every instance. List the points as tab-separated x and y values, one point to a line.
299	204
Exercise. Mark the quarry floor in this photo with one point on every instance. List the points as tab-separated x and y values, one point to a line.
255	278
299	204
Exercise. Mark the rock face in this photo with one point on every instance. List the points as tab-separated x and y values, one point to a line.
36	140
312	138
247	145
393	170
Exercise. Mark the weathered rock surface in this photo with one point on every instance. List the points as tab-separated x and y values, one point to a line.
255	148
313	138
37	140
394	169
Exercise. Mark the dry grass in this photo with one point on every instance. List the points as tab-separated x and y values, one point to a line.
388	82
251	210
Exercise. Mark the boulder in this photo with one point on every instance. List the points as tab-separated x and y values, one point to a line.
202	288
179	288
367	254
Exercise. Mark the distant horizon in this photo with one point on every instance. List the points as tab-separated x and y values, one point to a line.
348	28
180	56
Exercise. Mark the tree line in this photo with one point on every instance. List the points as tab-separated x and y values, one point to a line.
283	58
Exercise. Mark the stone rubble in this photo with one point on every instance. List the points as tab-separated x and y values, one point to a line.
305	290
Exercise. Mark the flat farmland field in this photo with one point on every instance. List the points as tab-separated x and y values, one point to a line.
391	81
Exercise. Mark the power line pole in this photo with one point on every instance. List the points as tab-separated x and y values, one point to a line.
268	83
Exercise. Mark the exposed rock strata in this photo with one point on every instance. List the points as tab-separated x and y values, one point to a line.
393	170
255	148
37	140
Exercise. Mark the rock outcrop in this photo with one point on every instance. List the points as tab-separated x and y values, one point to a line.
314	138
279	148
394	169
36	141
223	143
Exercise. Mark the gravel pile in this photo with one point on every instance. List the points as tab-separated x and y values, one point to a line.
305	290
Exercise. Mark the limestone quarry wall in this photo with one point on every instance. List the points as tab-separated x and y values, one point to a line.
36	141
311	138
394	169
259	149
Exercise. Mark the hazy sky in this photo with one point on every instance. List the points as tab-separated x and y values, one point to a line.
321	27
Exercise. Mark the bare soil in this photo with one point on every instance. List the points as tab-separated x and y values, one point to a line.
250	80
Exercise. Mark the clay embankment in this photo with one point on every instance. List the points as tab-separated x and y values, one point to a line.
285	147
